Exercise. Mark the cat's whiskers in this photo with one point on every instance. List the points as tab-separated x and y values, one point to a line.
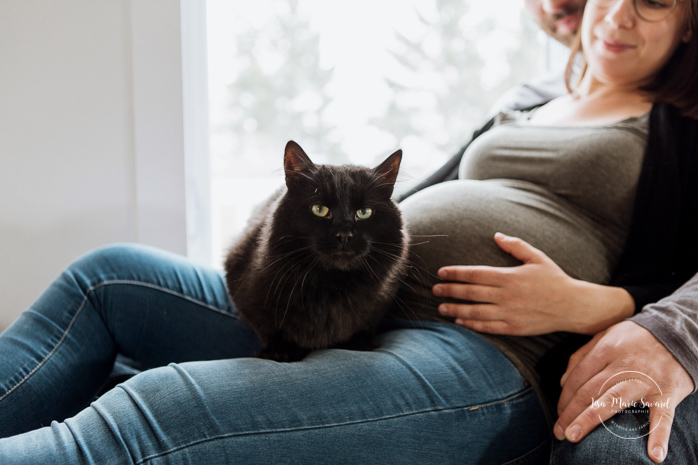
402	305
293	266
416	273
249	274
419	243
308	270
412	244
393	256
397	245
418	269
287	270
283	240
278	258
412	264
367	266
311	267
284	256
397	277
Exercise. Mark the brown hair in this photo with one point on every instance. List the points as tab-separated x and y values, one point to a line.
675	83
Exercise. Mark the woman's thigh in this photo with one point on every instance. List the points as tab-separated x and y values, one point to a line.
151	306
435	393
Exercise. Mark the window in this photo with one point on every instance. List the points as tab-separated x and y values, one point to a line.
351	82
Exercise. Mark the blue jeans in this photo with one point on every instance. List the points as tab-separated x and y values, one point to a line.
601	446
432	392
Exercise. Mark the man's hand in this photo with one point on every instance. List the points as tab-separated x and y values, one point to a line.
623	347
537	297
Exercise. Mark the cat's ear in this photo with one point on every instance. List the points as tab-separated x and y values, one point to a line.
296	163
388	170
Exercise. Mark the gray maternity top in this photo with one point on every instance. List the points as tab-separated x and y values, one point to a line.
569	191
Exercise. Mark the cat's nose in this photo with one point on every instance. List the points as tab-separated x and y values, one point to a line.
343	237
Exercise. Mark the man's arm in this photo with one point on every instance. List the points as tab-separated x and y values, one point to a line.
660	342
674	322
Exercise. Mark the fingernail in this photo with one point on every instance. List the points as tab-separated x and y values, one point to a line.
559	432
574	432
443	309
443	274
658	453
438	291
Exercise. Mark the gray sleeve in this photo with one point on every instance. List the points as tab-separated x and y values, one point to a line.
674	322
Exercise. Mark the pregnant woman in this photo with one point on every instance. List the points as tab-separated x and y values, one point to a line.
567	189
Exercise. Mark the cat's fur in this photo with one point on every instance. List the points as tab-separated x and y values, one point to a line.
304	281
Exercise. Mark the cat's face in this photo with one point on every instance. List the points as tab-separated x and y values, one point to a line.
342	214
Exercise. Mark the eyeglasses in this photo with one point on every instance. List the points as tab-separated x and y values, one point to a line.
649	10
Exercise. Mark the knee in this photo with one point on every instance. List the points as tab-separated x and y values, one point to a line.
105	254
600	446
111	262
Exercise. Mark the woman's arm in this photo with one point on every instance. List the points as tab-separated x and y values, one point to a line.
534	298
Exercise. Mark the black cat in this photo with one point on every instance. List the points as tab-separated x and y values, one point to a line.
320	262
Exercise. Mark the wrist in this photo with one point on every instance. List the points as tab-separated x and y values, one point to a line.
601	307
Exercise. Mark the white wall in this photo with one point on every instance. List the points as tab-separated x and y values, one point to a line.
92	138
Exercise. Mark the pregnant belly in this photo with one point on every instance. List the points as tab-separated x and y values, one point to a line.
454	223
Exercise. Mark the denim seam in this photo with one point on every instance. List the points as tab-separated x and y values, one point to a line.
55	348
331	425
165	290
82	305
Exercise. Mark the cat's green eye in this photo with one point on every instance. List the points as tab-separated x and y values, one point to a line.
320	210
364	213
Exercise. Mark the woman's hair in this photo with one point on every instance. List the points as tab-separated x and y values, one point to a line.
674	84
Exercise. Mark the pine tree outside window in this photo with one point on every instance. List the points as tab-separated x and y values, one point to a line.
352	82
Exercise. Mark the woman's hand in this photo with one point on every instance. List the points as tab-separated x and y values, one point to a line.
534	298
